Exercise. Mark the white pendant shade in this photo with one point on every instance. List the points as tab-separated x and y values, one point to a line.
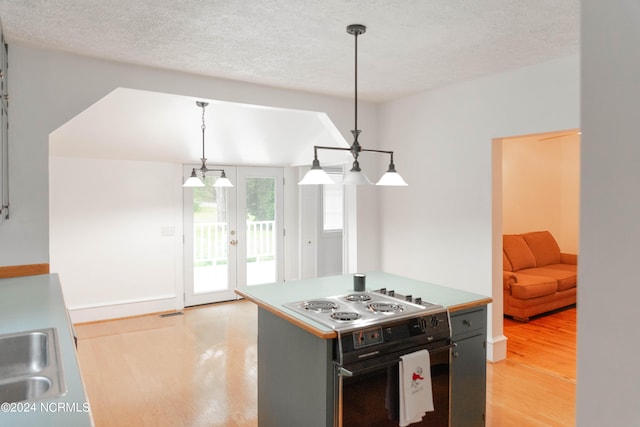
356	178
223	182
193	181
391	179
315	177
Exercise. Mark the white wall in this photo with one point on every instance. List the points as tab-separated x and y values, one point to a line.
48	88
541	187
608	380
439	229
568	231
116	235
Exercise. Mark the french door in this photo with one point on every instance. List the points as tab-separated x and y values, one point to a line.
233	236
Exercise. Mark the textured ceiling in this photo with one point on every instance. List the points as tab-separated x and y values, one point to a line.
410	45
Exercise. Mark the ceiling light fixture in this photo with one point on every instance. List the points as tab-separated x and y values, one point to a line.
194	180
316	175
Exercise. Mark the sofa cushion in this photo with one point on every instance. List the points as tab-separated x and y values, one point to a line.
506	265
566	267
529	286
544	247
565	279
519	254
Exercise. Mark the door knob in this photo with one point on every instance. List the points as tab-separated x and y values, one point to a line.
233	242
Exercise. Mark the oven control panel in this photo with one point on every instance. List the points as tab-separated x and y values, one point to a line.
367	337
424	329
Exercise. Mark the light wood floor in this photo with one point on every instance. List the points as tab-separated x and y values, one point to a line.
199	369
536	385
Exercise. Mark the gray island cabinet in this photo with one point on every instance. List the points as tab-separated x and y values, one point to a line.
468	366
296	376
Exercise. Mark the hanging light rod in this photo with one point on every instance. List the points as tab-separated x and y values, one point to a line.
316	175
194	180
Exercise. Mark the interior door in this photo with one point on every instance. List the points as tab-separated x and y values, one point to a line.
233	237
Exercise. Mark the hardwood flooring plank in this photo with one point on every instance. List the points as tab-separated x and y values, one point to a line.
547	343
517	392
536	385
193	370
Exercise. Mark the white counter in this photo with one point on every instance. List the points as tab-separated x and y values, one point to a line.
36	302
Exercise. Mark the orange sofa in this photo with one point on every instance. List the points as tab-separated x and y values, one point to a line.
537	276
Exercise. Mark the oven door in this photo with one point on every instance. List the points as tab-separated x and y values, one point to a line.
369	397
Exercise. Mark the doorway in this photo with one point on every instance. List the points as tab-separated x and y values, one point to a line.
536	187
233	237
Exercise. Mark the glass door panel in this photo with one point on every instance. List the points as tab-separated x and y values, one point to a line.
260	211
210	255
210	229
261	232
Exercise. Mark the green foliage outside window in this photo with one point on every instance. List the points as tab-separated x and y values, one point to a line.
261	199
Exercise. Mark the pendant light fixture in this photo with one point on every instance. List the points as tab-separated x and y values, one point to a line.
355	176
194	180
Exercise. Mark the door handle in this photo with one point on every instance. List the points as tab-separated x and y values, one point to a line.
233	242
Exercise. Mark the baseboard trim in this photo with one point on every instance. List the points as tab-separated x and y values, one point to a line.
497	348
120	309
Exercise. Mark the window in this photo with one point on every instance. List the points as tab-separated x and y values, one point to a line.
333	204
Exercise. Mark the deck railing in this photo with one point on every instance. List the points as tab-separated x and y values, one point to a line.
211	241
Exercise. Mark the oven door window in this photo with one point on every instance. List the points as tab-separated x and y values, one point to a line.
371	399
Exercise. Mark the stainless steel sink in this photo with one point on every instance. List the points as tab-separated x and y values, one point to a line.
29	388
30	366
23	354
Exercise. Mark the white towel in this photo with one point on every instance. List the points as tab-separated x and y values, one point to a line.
416	395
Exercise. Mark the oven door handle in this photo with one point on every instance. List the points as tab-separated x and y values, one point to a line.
344	372
446	347
452	345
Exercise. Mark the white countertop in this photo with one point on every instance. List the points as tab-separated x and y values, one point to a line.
272	296
36	302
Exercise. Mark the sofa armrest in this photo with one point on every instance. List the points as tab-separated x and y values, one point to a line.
508	279
569	259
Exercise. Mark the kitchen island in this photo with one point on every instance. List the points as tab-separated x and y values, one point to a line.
35	303
296	372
